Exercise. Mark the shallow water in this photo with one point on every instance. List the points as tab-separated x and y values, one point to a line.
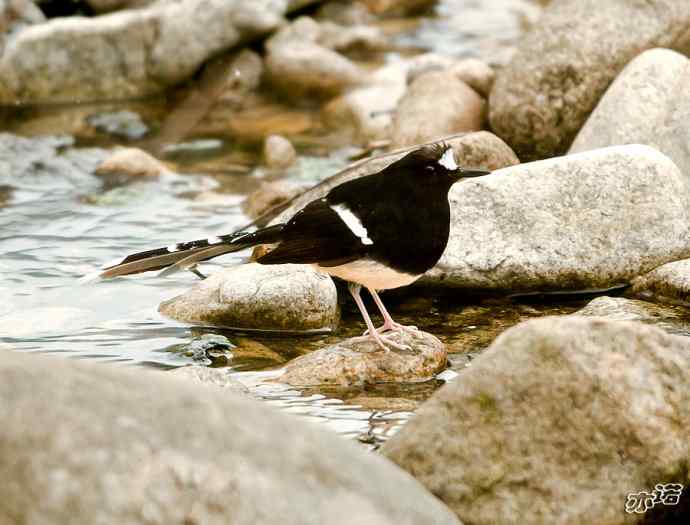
54	229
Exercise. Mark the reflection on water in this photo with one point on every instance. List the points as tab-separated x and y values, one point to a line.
58	225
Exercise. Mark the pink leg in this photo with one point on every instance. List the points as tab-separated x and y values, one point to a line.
388	322
355	290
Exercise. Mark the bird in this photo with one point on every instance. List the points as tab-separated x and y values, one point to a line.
380	231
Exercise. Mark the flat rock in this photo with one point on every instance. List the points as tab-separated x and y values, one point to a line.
131	53
648	103
557	422
219	377
541	99
668	283
145	447
254	296
456	108
585	221
357	362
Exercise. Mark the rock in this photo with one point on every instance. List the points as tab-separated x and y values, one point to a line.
105	6
131	53
301	68
358	362
17	14
254	296
398	7
198	148
646	104
279	153
270	194
559	420
668	283
33	160
472	71
246	70
368	110
456	108
561	69
481	150
345	13
207	350
144	447
131	162
124	124
584	221
219	377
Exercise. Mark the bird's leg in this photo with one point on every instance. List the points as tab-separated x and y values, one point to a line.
355	290
196	272
388	322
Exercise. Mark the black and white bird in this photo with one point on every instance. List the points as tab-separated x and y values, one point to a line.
380	231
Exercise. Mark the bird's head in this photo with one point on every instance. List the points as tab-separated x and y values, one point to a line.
434	164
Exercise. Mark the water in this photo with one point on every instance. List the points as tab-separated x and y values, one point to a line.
56	226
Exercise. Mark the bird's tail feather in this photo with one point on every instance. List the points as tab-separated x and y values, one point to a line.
187	254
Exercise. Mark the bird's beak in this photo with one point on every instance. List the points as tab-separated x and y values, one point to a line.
464	173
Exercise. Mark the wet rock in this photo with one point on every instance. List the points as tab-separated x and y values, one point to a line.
590	220
207	350
646	104
130	53
368	110
49	157
253	296
279	153
357	362
456	108
559	420
270	194
669	283
124	124
481	150
219	377
562	68
143	446
131	162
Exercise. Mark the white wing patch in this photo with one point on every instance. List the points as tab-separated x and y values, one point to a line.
352	222
447	160
214	240
172	248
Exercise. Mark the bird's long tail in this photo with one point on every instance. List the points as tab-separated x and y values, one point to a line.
187	254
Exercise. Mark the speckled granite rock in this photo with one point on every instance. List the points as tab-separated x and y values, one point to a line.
281	297
557	422
108	444
563	66
669	282
350	362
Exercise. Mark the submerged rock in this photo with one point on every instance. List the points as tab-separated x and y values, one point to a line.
357	362
130	53
648	103
456	108
668	283
124	124
590	220
219	377
115	445
558	421
279	153
563	66
254	296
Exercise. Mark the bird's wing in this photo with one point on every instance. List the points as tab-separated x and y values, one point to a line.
320	233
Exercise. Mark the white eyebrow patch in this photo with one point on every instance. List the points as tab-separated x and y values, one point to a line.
447	160
214	240
352	222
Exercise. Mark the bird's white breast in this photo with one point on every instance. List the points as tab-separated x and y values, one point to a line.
370	274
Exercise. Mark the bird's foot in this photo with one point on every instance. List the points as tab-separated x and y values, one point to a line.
385	343
394	327
196	272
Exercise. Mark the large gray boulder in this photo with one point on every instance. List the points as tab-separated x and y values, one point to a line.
556	423
590	220
130	53
84	443
563	66
282	297
648	103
